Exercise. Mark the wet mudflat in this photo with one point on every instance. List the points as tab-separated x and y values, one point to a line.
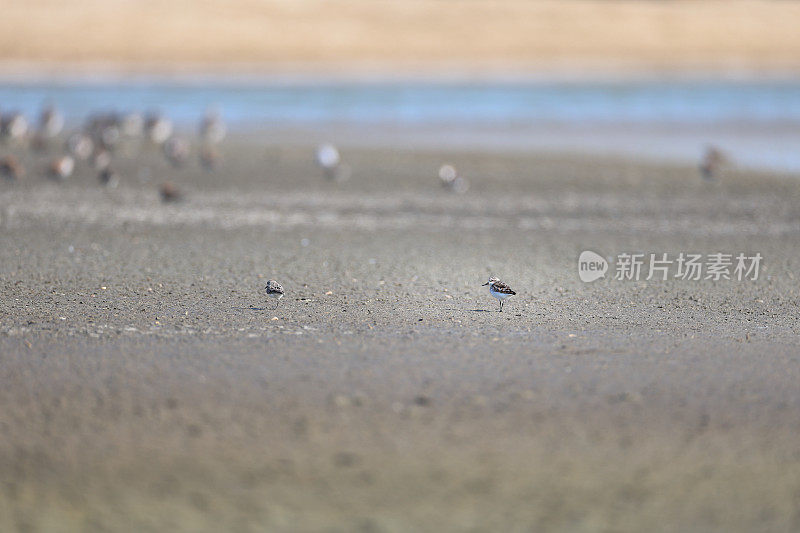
148	384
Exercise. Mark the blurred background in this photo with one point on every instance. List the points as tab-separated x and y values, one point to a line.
657	80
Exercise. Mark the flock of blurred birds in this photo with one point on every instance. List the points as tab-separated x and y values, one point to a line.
102	134
96	142
330	161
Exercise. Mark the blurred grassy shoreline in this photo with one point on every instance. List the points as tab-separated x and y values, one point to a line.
417	38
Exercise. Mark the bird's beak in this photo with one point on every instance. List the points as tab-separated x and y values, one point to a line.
485	284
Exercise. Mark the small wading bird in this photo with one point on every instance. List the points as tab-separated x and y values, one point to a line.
51	122
176	150
499	290
157	128
80	146
11	168
61	168
212	128
13	126
274	290
330	162
108	177
714	161
450	180
170	193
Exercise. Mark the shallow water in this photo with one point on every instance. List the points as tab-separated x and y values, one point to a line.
759	122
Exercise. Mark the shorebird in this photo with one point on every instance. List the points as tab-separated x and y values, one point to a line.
158	128
330	162
108	177
499	290
13	125
451	181
61	168
274	290
51	122
170	193
713	161
11	168
212	128
104	129
176	151
80	146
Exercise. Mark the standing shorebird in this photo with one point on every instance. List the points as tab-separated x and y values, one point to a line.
51	122
330	162
274	290
61	168
499	290
328	159
11	168
108	177
212	127
13	126
157	128
170	193
450	180
713	162
80	145
176	150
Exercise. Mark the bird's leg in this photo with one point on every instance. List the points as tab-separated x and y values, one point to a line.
277	303
501	306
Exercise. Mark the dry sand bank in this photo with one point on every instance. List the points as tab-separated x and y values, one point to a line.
427	36
146	386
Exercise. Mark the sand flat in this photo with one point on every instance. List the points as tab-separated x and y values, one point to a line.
147	384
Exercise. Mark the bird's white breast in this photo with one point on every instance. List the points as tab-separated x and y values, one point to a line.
499	295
